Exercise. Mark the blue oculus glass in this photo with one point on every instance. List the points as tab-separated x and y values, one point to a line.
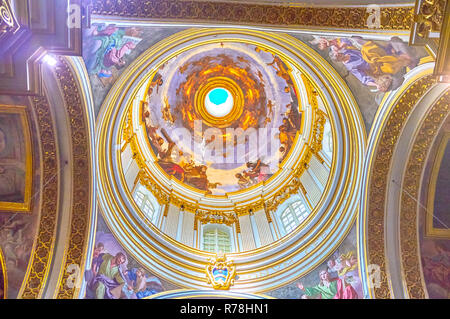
218	96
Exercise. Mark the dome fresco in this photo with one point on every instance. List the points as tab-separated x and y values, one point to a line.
206	109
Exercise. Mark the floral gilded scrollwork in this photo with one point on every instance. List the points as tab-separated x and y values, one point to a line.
392	18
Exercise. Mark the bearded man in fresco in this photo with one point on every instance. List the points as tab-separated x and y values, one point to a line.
329	288
109	276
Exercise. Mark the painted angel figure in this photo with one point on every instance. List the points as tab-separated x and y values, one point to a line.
106	47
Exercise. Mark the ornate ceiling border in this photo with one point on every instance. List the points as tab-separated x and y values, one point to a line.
378	181
25	205
270	202
409	200
81	173
391	18
42	253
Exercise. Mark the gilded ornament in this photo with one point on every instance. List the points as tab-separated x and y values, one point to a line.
220	272
41	256
79	224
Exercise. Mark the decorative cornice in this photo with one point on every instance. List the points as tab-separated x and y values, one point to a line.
81	175
215	218
41	256
268	203
410	197
379	179
391	18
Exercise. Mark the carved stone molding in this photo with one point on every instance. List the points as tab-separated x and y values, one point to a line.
409	200
81	176
391	18
41	256
378	182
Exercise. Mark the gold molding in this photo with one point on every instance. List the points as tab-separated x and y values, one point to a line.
4	274
442	67
220	263
431	28
378	181
42	253
81	177
215	217
391	18
412	179
26	205
430	231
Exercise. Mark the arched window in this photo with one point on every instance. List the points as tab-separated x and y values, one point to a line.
216	240
293	215
144	202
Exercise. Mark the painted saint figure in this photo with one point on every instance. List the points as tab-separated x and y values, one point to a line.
329	288
109	276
